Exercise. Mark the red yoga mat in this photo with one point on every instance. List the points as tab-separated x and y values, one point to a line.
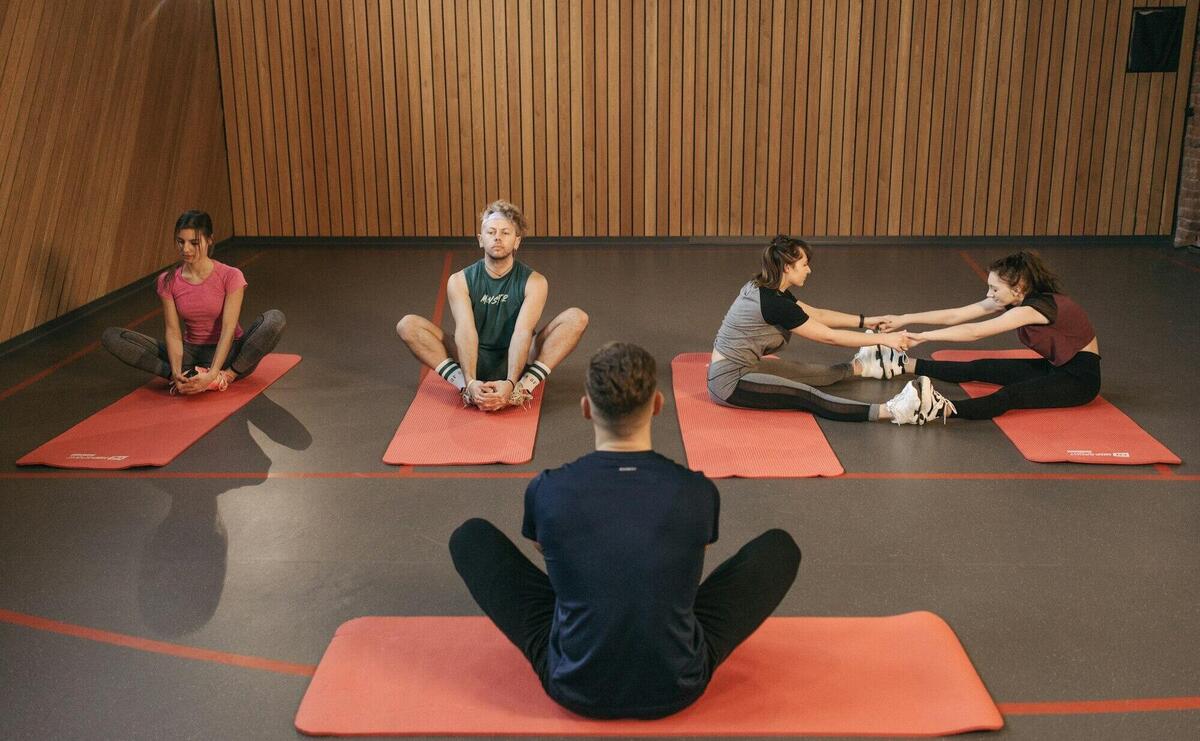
149	427
1096	432
905	675
726	441
437	430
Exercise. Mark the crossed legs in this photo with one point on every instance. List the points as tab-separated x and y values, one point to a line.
551	344
730	604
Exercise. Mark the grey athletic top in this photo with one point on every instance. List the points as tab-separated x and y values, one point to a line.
759	322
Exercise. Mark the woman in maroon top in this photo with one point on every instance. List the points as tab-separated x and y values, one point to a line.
1028	298
205	348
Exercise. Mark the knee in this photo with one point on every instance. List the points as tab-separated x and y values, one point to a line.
111	338
407	326
275	319
468	534
576	319
784	548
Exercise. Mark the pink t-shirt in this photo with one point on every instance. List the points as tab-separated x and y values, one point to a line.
200	306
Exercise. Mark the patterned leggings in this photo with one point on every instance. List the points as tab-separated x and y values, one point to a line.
781	384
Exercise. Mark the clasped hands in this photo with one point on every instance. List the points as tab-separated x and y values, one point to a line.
892	332
490	396
193	384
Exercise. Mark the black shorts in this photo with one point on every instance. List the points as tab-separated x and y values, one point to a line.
491	365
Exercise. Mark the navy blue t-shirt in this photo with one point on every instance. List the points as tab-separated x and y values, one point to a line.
623	535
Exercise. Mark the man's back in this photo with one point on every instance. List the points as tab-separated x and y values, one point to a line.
623	534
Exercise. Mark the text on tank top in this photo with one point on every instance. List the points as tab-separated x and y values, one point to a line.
496	302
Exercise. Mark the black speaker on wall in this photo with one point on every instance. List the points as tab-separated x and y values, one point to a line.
1155	39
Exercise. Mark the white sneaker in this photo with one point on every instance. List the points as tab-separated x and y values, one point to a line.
892	361
933	405
904	405
868	360
880	361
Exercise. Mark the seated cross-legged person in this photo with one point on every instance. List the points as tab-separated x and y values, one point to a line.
622	626
499	357
204	348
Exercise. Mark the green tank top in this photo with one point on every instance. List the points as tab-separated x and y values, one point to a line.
496	302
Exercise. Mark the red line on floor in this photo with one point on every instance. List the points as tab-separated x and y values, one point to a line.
1000	476
439	305
42	374
90	347
137	643
1182	264
69	359
159	647
973	265
1080	707
408	472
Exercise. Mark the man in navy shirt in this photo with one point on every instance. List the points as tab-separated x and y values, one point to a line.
622	627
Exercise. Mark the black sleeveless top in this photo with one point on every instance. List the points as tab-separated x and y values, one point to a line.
496	302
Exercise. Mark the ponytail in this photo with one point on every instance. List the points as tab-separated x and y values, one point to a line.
1026	269
781	252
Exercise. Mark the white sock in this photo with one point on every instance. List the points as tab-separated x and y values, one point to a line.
452	372
535	373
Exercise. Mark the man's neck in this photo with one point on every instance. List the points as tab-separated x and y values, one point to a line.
637	442
498	268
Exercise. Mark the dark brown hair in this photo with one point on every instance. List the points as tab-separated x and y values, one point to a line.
1026	270
190	219
621	378
781	252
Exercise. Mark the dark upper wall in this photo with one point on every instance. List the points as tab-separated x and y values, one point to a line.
110	126
848	117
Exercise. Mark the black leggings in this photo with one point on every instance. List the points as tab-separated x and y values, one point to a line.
730	604
150	355
1026	383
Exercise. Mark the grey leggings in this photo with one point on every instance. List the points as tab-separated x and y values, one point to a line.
781	384
150	355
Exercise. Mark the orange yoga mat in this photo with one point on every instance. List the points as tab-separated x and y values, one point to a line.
905	675
437	430
1097	432
149	427
725	441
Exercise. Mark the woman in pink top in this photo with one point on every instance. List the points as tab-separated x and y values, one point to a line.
1028	298
205	348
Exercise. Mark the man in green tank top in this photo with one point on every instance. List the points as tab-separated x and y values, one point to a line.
498	357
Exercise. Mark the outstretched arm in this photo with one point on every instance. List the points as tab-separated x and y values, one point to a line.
818	332
1011	319
945	317
833	319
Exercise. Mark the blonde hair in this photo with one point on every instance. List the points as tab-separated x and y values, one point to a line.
508	211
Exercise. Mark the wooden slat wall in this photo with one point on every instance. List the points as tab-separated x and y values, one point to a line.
110	126
697	117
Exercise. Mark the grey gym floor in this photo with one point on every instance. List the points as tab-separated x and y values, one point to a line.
1061	589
